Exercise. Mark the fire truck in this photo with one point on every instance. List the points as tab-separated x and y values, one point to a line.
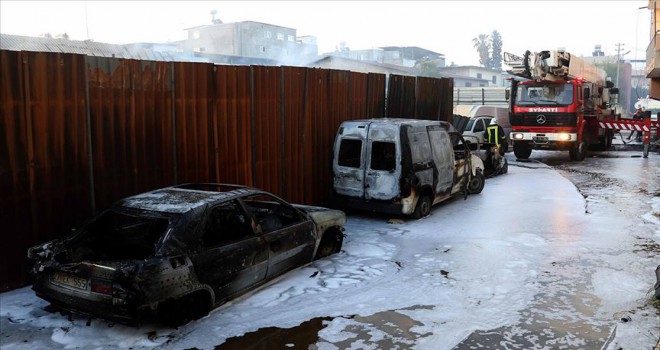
565	103
560	104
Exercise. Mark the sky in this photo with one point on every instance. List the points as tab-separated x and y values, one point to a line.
561	273
446	27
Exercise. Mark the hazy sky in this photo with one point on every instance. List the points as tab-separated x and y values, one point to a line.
446	27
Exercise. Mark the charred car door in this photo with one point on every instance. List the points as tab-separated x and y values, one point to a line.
231	257
443	159
288	233
462	156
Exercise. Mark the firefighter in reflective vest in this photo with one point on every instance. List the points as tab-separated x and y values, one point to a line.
495	134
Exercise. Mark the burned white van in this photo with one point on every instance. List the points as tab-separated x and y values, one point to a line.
402	166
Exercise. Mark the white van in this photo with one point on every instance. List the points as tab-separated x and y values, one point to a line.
402	166
479	117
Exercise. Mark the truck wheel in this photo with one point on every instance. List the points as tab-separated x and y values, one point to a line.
604	142
579	152
521	150
476	184
423	207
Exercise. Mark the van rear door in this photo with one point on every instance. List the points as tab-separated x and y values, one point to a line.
349	159
383	162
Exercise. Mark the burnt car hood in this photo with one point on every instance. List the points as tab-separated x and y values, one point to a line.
323	217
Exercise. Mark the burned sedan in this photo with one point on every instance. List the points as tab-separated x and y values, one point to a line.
178	252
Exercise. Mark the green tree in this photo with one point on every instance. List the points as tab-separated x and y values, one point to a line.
496	51
482	44
428	69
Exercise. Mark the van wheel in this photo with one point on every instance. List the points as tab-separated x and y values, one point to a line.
423	207
476	184
505	167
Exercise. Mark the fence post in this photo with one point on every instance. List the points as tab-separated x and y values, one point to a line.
173	92
90	153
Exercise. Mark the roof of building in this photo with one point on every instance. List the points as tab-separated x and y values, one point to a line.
420	51
478	67
392	67
90	48
235	23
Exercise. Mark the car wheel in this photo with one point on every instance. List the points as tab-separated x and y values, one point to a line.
177	312
423	207
476	184
330	243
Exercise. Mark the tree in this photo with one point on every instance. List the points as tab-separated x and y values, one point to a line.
496	53
428	69
482	44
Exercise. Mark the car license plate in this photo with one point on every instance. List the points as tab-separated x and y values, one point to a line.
69	280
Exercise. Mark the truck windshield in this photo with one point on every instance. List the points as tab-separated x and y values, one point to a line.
544	94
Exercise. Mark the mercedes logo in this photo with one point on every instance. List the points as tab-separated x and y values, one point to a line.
540	119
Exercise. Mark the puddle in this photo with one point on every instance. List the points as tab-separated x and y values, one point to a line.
298	338
394	328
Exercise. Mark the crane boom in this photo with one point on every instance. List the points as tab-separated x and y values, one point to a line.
552	66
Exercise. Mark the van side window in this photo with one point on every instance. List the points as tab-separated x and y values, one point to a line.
383	156
350	153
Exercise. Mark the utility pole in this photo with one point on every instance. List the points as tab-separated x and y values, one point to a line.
619	48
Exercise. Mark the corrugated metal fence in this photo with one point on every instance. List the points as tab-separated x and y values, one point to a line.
79	132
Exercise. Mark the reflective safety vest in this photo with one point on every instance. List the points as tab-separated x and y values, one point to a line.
493	132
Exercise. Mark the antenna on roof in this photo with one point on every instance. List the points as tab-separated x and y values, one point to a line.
213	19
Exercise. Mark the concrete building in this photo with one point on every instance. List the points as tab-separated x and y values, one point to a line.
624	76
488	77
252	40
406	56
653	51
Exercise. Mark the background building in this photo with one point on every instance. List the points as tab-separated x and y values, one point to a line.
250	39
486	76
653	51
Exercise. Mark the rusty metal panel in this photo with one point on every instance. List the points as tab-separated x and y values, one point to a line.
446	100
46	186
131	127
15	199
401	97
267	127
315	111
428	98
232	132
358	95
376	93
294	102
194	88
